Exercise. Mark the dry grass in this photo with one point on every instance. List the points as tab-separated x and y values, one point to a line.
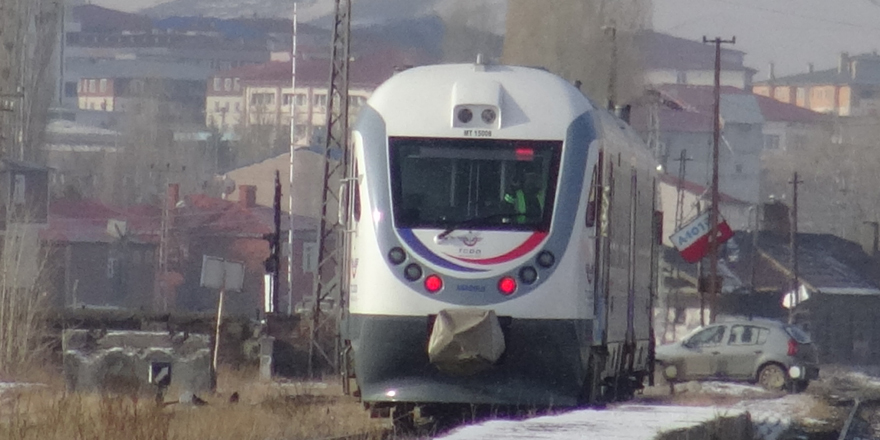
265	411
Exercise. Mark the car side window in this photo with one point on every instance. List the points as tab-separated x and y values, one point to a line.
743	335
763	333
710	336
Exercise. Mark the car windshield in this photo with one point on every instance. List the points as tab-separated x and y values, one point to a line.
798	334
473	183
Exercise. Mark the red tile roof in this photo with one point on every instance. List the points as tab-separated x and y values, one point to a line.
699	190
689	108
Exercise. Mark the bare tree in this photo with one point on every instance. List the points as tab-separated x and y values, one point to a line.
23	299
28	33
465	33
583	41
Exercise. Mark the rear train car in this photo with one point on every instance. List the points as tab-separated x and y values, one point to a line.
502	243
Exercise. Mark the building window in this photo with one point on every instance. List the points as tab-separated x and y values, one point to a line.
301	99
112	267
227	84
103	85
262	99
71	89
681	78
217	82
92	84
287	99
771	142
801	94
320	100
238	107
236	85
216	106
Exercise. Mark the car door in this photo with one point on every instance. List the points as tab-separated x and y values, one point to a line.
737	358
702	349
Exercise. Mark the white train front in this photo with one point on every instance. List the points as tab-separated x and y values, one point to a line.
502	242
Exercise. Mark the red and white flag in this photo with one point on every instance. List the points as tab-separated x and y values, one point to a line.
692	240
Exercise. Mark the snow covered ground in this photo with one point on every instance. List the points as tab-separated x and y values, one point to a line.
771	413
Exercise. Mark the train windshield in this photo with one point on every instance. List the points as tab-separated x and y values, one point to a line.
473	183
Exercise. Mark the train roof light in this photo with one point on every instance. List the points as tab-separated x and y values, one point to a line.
465	115
488	115
433	283
507	285
525	153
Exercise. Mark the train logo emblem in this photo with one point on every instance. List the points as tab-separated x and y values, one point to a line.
470	240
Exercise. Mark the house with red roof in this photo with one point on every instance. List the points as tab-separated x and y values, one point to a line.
680	120
149	258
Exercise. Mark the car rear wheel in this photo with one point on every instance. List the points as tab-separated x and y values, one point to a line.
772	377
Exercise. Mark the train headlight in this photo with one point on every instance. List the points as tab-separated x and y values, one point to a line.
507	285
546	259
433	283
528	275
396	256
488	116
412	272
465	115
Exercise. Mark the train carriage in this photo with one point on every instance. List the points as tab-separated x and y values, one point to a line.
502	242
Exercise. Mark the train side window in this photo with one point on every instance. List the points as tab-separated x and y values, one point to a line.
593	199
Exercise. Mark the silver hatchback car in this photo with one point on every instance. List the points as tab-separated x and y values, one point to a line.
776	355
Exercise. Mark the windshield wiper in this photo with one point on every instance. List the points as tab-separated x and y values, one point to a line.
469	222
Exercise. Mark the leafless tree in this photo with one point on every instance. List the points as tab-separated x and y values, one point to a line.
583	41
23	298
466	35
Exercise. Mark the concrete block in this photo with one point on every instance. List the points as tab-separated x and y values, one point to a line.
120	361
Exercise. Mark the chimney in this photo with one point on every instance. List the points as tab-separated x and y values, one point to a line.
810	67
870	237
776	218
772	71
843	64
247	196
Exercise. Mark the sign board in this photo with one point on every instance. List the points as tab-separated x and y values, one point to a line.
215	270
692	240
310	257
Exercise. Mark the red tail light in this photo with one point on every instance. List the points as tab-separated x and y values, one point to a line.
792	347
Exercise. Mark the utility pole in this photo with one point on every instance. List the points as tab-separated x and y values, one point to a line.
611	31
794	250
291	188
713	214
679	217
332	270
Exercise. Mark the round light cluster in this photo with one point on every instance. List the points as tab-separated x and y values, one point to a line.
546	259
433	283
507	285
528	275
412	272
465	115
396	256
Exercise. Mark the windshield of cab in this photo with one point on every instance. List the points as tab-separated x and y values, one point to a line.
473	183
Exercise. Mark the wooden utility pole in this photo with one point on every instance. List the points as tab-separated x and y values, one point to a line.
713	214
795	283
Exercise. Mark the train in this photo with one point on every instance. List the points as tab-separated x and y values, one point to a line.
502	243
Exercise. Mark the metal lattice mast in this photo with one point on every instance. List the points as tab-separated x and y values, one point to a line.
332	267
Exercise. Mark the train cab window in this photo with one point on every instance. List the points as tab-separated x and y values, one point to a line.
478	183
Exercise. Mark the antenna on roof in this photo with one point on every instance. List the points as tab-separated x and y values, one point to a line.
480	65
